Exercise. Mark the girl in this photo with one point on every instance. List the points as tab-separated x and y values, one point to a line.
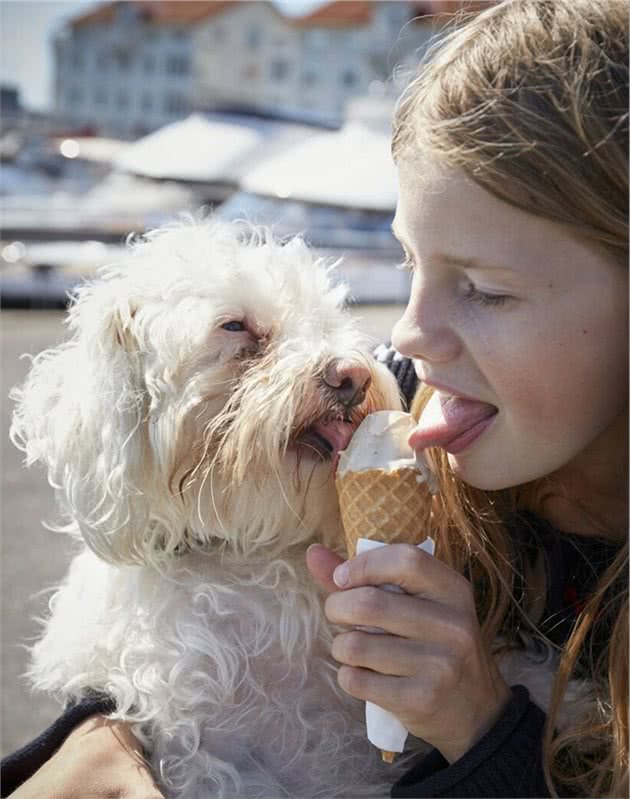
511	147
512	154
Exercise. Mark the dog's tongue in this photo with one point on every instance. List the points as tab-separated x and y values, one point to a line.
338	433
445	418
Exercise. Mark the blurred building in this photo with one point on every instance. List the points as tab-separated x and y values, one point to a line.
128	68
256	57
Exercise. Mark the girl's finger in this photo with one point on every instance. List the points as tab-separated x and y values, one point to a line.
389	692
403	615
415	571
321	562
386	654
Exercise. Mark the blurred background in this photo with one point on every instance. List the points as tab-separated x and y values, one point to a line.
117	116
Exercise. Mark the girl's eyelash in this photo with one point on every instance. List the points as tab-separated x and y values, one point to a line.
473	293
407	265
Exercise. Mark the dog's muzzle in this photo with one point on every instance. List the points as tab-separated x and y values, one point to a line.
346	383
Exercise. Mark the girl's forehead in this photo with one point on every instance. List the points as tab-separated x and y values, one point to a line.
445	213
434	203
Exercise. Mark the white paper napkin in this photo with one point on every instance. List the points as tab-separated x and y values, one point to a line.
383	729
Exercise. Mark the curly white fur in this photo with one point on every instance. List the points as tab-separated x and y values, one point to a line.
174	447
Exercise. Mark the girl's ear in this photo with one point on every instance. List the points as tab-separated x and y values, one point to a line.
82	412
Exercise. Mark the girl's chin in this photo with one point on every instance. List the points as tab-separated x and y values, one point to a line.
476	475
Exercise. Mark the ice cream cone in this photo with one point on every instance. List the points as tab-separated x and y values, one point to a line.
383	489
387	506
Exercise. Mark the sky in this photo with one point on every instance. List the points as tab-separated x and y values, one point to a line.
25	51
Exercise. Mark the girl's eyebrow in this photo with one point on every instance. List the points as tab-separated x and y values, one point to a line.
466	263
453	260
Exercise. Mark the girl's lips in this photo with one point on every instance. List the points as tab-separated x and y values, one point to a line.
452	423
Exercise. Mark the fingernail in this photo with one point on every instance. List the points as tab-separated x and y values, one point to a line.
340	575
312	546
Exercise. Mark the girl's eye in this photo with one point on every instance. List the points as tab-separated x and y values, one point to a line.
234	327
484	298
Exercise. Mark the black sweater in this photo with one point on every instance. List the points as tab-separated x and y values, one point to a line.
507	761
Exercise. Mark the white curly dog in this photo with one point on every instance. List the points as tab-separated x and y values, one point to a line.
189	427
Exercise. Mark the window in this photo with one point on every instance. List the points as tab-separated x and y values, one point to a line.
125	59
316	39
349	78
309	78
147	102
74	96
378	63
76	59
253	37
102	61
122	100
279	70
100	96
177	65
250	72
148	62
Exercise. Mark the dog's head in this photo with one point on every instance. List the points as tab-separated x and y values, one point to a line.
203	396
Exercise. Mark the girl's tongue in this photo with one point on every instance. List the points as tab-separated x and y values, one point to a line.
448	421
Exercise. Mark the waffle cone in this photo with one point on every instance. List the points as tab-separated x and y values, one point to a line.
388	506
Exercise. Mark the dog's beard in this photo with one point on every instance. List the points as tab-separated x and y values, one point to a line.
161	423
262	469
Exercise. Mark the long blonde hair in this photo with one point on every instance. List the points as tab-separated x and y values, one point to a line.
530	99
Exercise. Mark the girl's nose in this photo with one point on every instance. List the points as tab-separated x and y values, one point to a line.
423	333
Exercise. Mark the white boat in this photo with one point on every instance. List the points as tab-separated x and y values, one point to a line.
348	168
213	149
339	190
42	275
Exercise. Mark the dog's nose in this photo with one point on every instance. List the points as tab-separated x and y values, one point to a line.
349	380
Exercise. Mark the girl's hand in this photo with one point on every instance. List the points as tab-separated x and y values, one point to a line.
431	668
99	759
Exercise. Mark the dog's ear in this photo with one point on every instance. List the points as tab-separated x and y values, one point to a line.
81	412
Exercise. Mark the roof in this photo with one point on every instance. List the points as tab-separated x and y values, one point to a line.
449	7
209	148
159	12
337	14
330	169
349	13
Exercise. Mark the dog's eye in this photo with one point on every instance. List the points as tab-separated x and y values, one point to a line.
234	327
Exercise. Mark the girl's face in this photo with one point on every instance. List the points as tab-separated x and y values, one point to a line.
520	320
